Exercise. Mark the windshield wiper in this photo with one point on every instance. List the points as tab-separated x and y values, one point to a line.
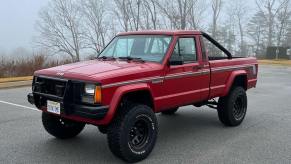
106	58
129	58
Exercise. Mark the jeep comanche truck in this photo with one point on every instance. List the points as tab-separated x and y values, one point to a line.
137	75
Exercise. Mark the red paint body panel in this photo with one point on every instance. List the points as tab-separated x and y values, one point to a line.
178	85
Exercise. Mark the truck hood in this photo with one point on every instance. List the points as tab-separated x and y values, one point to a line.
96	69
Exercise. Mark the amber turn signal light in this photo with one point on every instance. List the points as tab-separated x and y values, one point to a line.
97	96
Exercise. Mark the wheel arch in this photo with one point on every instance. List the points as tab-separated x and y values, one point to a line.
140	93
237	78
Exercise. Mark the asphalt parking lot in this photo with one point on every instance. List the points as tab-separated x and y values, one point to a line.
193	135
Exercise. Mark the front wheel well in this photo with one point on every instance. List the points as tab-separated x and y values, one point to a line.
141	97
240	80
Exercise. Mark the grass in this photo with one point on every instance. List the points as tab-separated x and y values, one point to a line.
275	62
26	66
14	79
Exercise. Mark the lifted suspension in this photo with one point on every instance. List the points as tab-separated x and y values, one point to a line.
211	104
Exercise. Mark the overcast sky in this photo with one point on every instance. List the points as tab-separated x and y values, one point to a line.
17	21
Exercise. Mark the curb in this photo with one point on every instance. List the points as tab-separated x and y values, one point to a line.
15	84
275	62
15	79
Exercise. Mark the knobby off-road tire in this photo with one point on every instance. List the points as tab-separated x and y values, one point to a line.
233	107
61	128
170	111
133	132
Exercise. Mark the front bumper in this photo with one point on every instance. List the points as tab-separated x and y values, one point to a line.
96	112
91	112
66	92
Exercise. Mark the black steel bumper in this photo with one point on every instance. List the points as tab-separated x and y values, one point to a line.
92	112
86	111
30	98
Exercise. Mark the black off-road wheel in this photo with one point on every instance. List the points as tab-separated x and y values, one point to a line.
233	107
170	111
60	127
133	132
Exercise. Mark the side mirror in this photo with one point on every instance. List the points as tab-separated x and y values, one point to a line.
175	62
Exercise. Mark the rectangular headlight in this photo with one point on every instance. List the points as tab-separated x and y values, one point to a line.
92	94
89	89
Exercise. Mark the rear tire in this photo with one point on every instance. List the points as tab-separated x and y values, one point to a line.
233	107
170	111
60	127
132	134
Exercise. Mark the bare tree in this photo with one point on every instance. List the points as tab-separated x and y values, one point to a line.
287	40
230	30
75	26
96	27
184	9
128	13
150	10
167	8
134	8
270	8
176	11
283	18
238	10
216	9
239	14
257	31
60	28
122	13
197	9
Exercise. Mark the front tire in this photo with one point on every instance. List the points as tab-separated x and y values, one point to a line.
133	133
60	127
233	107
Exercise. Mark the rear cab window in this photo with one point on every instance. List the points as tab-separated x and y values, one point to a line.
214	53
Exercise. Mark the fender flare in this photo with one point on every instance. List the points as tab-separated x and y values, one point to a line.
231	79
121	91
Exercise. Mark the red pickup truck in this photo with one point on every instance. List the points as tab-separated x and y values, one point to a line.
137	75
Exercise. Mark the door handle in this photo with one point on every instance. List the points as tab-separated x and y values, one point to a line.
197	67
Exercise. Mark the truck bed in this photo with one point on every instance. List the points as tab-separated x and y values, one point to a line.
222	70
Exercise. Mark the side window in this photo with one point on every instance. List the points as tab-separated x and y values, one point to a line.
213	51
185	50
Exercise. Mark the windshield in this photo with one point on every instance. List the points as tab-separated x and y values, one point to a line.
145	47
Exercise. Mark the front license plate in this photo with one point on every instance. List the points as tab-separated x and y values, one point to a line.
53	107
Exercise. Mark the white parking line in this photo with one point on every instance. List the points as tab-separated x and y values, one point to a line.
22	106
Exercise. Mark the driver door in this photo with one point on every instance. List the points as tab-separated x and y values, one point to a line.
182	85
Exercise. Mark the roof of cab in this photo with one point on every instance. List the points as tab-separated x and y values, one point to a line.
161	32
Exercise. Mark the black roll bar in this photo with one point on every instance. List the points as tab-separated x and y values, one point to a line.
229	56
